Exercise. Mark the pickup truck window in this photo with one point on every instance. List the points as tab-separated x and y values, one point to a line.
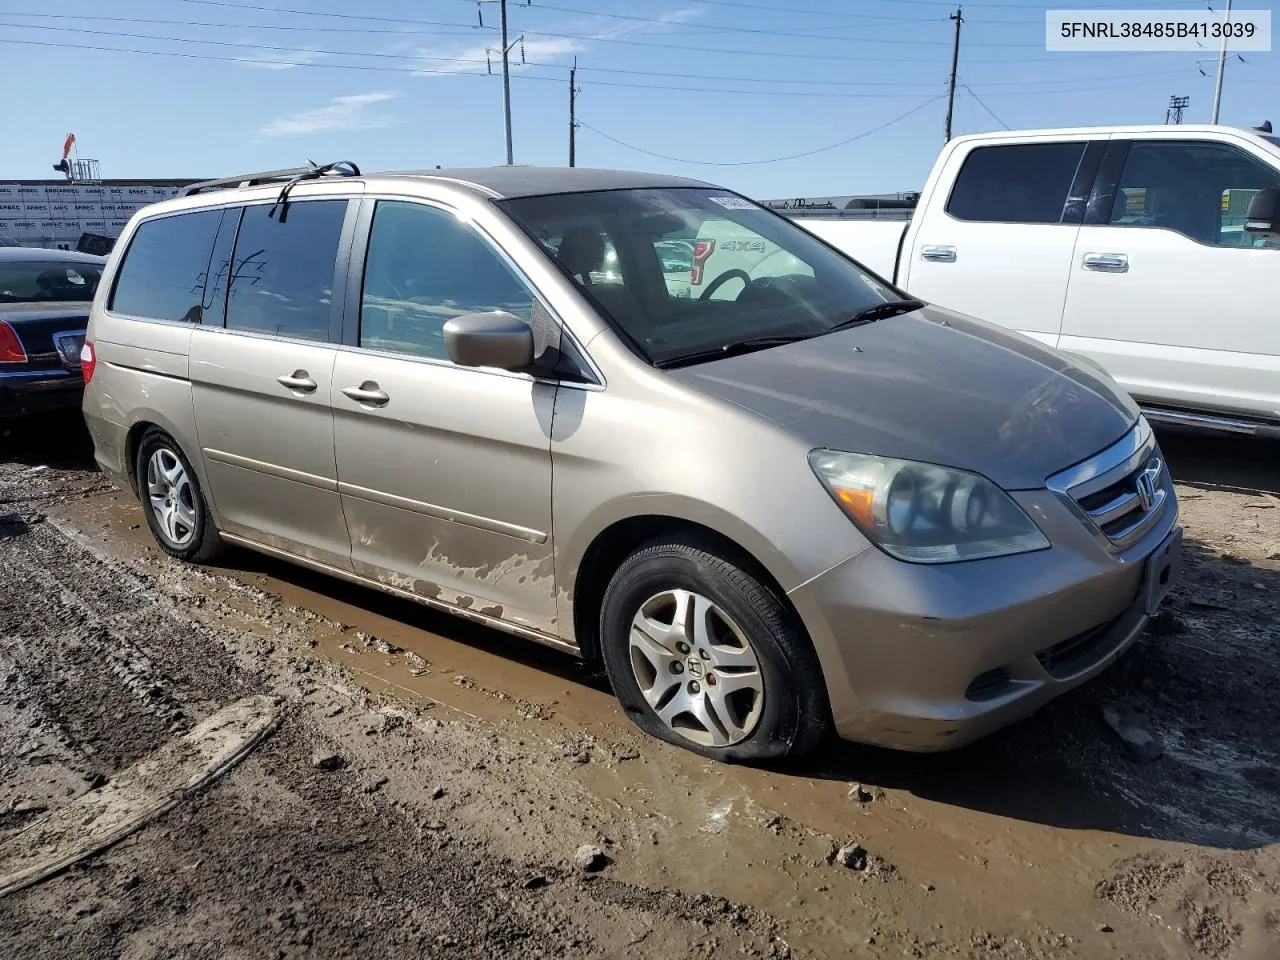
696	269
1018	183
1199	189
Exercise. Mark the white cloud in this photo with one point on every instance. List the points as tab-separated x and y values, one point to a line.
541	49
341	113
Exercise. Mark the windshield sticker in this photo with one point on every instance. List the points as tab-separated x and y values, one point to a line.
733	203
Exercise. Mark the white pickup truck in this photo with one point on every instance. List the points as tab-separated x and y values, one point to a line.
1132	246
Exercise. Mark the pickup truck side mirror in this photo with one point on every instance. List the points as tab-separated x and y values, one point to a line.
494	339
1263	218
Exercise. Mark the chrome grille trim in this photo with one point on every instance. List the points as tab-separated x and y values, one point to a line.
1130	476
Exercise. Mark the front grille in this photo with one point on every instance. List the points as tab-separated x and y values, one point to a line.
1122	492
1130	504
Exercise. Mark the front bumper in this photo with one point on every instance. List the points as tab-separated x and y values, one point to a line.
930	657
24	392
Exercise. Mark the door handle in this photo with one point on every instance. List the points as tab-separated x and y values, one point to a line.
368	392
938	254
1106	262
300	380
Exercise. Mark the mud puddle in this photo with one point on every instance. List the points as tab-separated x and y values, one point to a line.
1046	840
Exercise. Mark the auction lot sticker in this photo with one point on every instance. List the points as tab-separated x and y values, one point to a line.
1157	30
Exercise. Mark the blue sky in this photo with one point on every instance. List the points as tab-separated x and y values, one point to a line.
230	86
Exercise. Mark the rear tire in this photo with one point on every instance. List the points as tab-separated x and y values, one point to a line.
172	500
703	654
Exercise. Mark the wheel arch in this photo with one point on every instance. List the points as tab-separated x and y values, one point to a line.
615	542
144	420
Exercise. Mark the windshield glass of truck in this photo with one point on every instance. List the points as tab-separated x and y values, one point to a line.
25	282
684	271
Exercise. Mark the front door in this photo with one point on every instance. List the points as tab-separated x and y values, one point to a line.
1000	247
1168	291
444	471
262	386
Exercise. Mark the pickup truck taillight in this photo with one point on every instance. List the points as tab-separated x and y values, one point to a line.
11	349
701	250
88	360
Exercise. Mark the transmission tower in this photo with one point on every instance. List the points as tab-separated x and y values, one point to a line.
1176	106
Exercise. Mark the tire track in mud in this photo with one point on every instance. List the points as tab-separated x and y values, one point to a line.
97	653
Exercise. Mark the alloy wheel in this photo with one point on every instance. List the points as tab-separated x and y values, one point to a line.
169	491
696	668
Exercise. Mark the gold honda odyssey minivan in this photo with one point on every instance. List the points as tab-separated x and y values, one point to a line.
774	499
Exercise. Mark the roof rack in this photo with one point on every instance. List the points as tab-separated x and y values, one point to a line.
340	168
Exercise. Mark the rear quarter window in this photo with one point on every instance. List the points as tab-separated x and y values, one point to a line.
164	272
1017	183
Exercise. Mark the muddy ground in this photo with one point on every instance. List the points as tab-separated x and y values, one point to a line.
430	781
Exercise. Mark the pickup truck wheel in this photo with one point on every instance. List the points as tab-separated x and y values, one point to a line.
172	501
702	654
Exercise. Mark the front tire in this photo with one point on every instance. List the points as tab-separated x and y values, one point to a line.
172	501
703	654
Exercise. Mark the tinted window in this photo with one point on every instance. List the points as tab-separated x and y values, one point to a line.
695	271
163	274
215	285
282	273
424	267
34	282
1199	189
1021	183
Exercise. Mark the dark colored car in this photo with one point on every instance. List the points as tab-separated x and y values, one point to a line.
44	308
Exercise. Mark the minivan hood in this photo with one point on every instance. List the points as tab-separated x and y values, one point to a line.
933	386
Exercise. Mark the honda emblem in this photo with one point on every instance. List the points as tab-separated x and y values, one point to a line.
1146	486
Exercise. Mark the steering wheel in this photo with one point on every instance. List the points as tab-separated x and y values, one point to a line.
724	278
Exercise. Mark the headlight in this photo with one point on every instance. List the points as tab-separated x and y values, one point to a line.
924	513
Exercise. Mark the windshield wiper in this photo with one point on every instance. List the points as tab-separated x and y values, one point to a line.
881	311
734	349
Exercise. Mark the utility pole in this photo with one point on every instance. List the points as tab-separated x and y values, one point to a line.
1176	106
1222	68
506	67
573	121
506	81
955	61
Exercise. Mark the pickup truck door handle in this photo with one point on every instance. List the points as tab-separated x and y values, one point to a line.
1106	262
938	254
368	392
299	380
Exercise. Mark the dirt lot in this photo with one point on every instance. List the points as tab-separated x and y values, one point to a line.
429	783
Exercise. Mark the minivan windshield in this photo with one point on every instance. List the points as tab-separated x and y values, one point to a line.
688	274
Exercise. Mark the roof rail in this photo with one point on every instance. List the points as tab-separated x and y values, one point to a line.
340	168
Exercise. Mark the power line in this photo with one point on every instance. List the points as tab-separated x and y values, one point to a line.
985	107
590	38
318	13
723	28
551	66
762	31
746	163
411	71
795	11
1021	91
464	29
232	4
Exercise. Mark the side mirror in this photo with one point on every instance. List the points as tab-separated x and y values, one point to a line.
1263	218
494	339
